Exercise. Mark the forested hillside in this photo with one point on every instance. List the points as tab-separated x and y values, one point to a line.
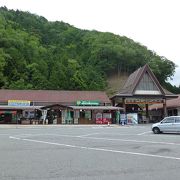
38	54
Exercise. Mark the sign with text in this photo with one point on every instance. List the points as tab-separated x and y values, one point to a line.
99	118
132	118
18	103
143	101
87	103
107	118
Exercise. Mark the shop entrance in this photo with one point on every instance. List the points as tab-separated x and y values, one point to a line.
8	117
58	114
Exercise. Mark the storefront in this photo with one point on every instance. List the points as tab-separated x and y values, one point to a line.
8	116
19	114
56	107
96	114
59	114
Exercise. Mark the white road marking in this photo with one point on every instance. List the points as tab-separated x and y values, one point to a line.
24	135
111	139
144	133
12	137
98	149
136	141
96	138
97	127
87	135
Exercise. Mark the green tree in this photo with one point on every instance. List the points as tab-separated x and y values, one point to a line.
38	54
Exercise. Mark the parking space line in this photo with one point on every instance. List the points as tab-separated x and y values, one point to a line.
136	141
13	137
87	135
97	149
123	140
144	133
99	138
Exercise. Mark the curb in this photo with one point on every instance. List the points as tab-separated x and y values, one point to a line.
4	126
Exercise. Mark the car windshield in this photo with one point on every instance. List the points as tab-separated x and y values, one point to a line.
168	120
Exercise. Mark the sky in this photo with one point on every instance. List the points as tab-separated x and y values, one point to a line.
152	23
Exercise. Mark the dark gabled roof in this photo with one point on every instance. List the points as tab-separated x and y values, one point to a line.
131	82
53	96
135	78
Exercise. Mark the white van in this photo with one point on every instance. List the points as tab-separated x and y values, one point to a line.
168	124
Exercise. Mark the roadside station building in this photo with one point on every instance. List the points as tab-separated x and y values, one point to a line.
141	90
56	107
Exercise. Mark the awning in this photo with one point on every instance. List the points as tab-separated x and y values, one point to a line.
96	108
20	107
8	112
55	106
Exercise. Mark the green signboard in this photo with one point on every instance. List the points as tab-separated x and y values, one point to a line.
87	103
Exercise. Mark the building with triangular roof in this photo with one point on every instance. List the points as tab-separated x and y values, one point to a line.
140	90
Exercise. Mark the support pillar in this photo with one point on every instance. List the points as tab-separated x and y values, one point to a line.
164	108
147	111
124	105
147	114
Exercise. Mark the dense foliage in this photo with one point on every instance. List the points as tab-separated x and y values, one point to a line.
38	54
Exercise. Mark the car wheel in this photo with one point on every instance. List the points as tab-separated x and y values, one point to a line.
156	130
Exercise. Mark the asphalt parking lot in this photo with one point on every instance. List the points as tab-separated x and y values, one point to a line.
88	152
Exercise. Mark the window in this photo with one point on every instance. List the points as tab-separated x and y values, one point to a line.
168	120
170	112
177	119
175	112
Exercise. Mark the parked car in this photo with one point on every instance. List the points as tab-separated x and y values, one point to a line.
168	124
